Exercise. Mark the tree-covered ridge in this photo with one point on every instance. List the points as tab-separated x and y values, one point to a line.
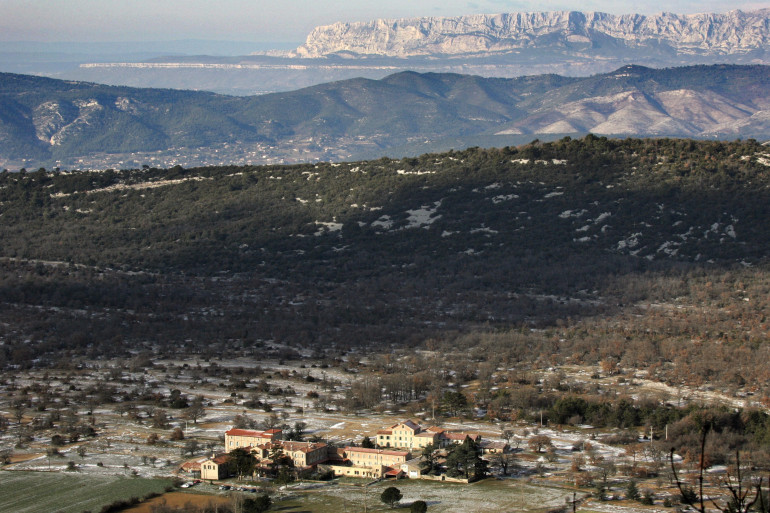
649	199
398	251
45	120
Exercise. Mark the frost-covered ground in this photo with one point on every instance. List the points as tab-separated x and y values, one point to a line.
121	447
121	458
486	496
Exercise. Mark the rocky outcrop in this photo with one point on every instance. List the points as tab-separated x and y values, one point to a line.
55	121
700	34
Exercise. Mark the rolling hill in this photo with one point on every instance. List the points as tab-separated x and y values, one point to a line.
52	123
383	251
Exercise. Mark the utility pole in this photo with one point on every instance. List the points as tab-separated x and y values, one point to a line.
574	502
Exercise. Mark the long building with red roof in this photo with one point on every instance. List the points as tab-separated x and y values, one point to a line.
236	438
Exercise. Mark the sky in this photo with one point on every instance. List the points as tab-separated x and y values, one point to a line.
273	20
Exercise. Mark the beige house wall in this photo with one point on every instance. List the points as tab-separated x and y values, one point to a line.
307	459
420	442
364	458
213	471
234	442
406	436
355	471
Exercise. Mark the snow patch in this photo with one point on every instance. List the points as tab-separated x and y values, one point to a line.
310	175
384	222
405	172
423	216
668	248
630	242
573	213
327	227
505	197
484	229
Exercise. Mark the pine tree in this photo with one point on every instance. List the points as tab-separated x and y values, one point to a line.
391	496
632	492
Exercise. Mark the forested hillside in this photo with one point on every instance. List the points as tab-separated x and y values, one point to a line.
578	250
54	123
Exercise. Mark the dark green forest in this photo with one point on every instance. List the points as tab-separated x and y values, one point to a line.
644	252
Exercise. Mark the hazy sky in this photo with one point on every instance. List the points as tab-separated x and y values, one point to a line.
273	20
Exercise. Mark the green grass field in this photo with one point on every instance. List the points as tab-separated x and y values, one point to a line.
44	492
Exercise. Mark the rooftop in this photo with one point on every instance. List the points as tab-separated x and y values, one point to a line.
270	433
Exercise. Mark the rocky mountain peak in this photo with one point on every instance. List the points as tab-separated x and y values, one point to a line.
707	34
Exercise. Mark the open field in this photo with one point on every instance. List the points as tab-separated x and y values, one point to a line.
485	496
56	492
178	499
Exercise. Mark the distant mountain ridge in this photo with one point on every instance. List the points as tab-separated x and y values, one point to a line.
706	34
79	124
509	45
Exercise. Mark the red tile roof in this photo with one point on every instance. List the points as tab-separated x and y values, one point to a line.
302	446
270	433
460	436
247	432
411	425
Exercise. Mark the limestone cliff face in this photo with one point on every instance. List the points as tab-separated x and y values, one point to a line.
704	34
56	121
